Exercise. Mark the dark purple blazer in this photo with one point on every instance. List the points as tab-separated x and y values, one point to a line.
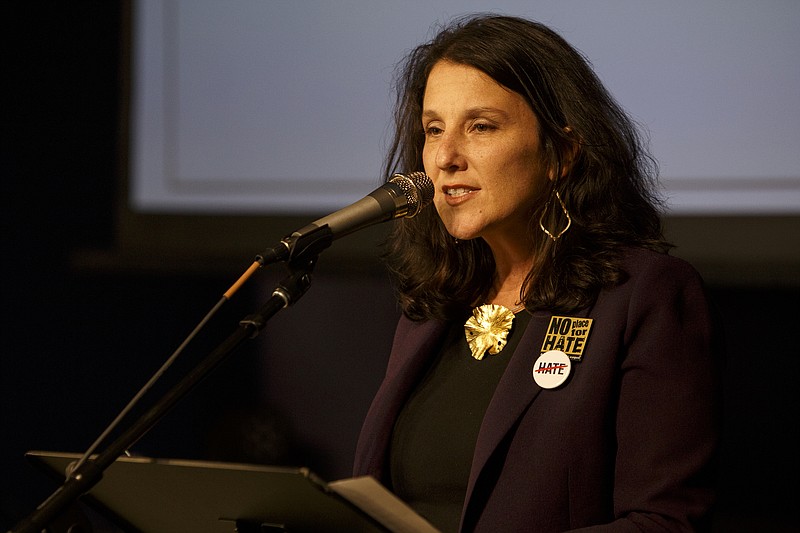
626	444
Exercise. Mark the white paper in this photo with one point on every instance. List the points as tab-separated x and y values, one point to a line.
378	502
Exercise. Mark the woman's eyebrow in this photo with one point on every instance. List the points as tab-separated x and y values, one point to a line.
472	112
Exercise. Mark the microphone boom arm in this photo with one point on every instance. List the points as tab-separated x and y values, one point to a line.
81	480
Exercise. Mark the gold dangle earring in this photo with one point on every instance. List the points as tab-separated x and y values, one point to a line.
561	172
563	209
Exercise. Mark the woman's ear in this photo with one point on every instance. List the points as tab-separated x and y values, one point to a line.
569	153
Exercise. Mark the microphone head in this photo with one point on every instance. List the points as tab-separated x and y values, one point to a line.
418	190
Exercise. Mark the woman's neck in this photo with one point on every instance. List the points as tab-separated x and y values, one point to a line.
509	279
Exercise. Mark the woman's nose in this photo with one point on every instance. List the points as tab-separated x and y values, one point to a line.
449	155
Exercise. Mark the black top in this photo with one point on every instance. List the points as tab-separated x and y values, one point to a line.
435	434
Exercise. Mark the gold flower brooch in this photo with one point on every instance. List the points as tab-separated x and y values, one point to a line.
487	329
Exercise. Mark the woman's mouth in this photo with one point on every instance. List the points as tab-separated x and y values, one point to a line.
456	192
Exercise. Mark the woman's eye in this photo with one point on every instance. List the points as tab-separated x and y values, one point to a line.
433	130
481	127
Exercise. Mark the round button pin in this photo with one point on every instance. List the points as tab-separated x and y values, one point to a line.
551	369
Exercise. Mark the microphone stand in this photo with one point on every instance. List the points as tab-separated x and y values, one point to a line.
303	254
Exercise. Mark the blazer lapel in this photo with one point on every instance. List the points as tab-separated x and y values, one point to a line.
513	395
414	345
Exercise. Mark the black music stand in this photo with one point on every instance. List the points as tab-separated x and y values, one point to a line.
161	495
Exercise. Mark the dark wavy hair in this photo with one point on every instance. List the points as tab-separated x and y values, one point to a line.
605	176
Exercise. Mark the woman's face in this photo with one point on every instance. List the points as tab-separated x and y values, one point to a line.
483	152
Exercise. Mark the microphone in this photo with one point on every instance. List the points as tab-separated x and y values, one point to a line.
404	195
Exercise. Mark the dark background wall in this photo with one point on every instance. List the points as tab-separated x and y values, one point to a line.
84	326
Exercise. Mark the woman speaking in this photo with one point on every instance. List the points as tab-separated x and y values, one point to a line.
554	368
